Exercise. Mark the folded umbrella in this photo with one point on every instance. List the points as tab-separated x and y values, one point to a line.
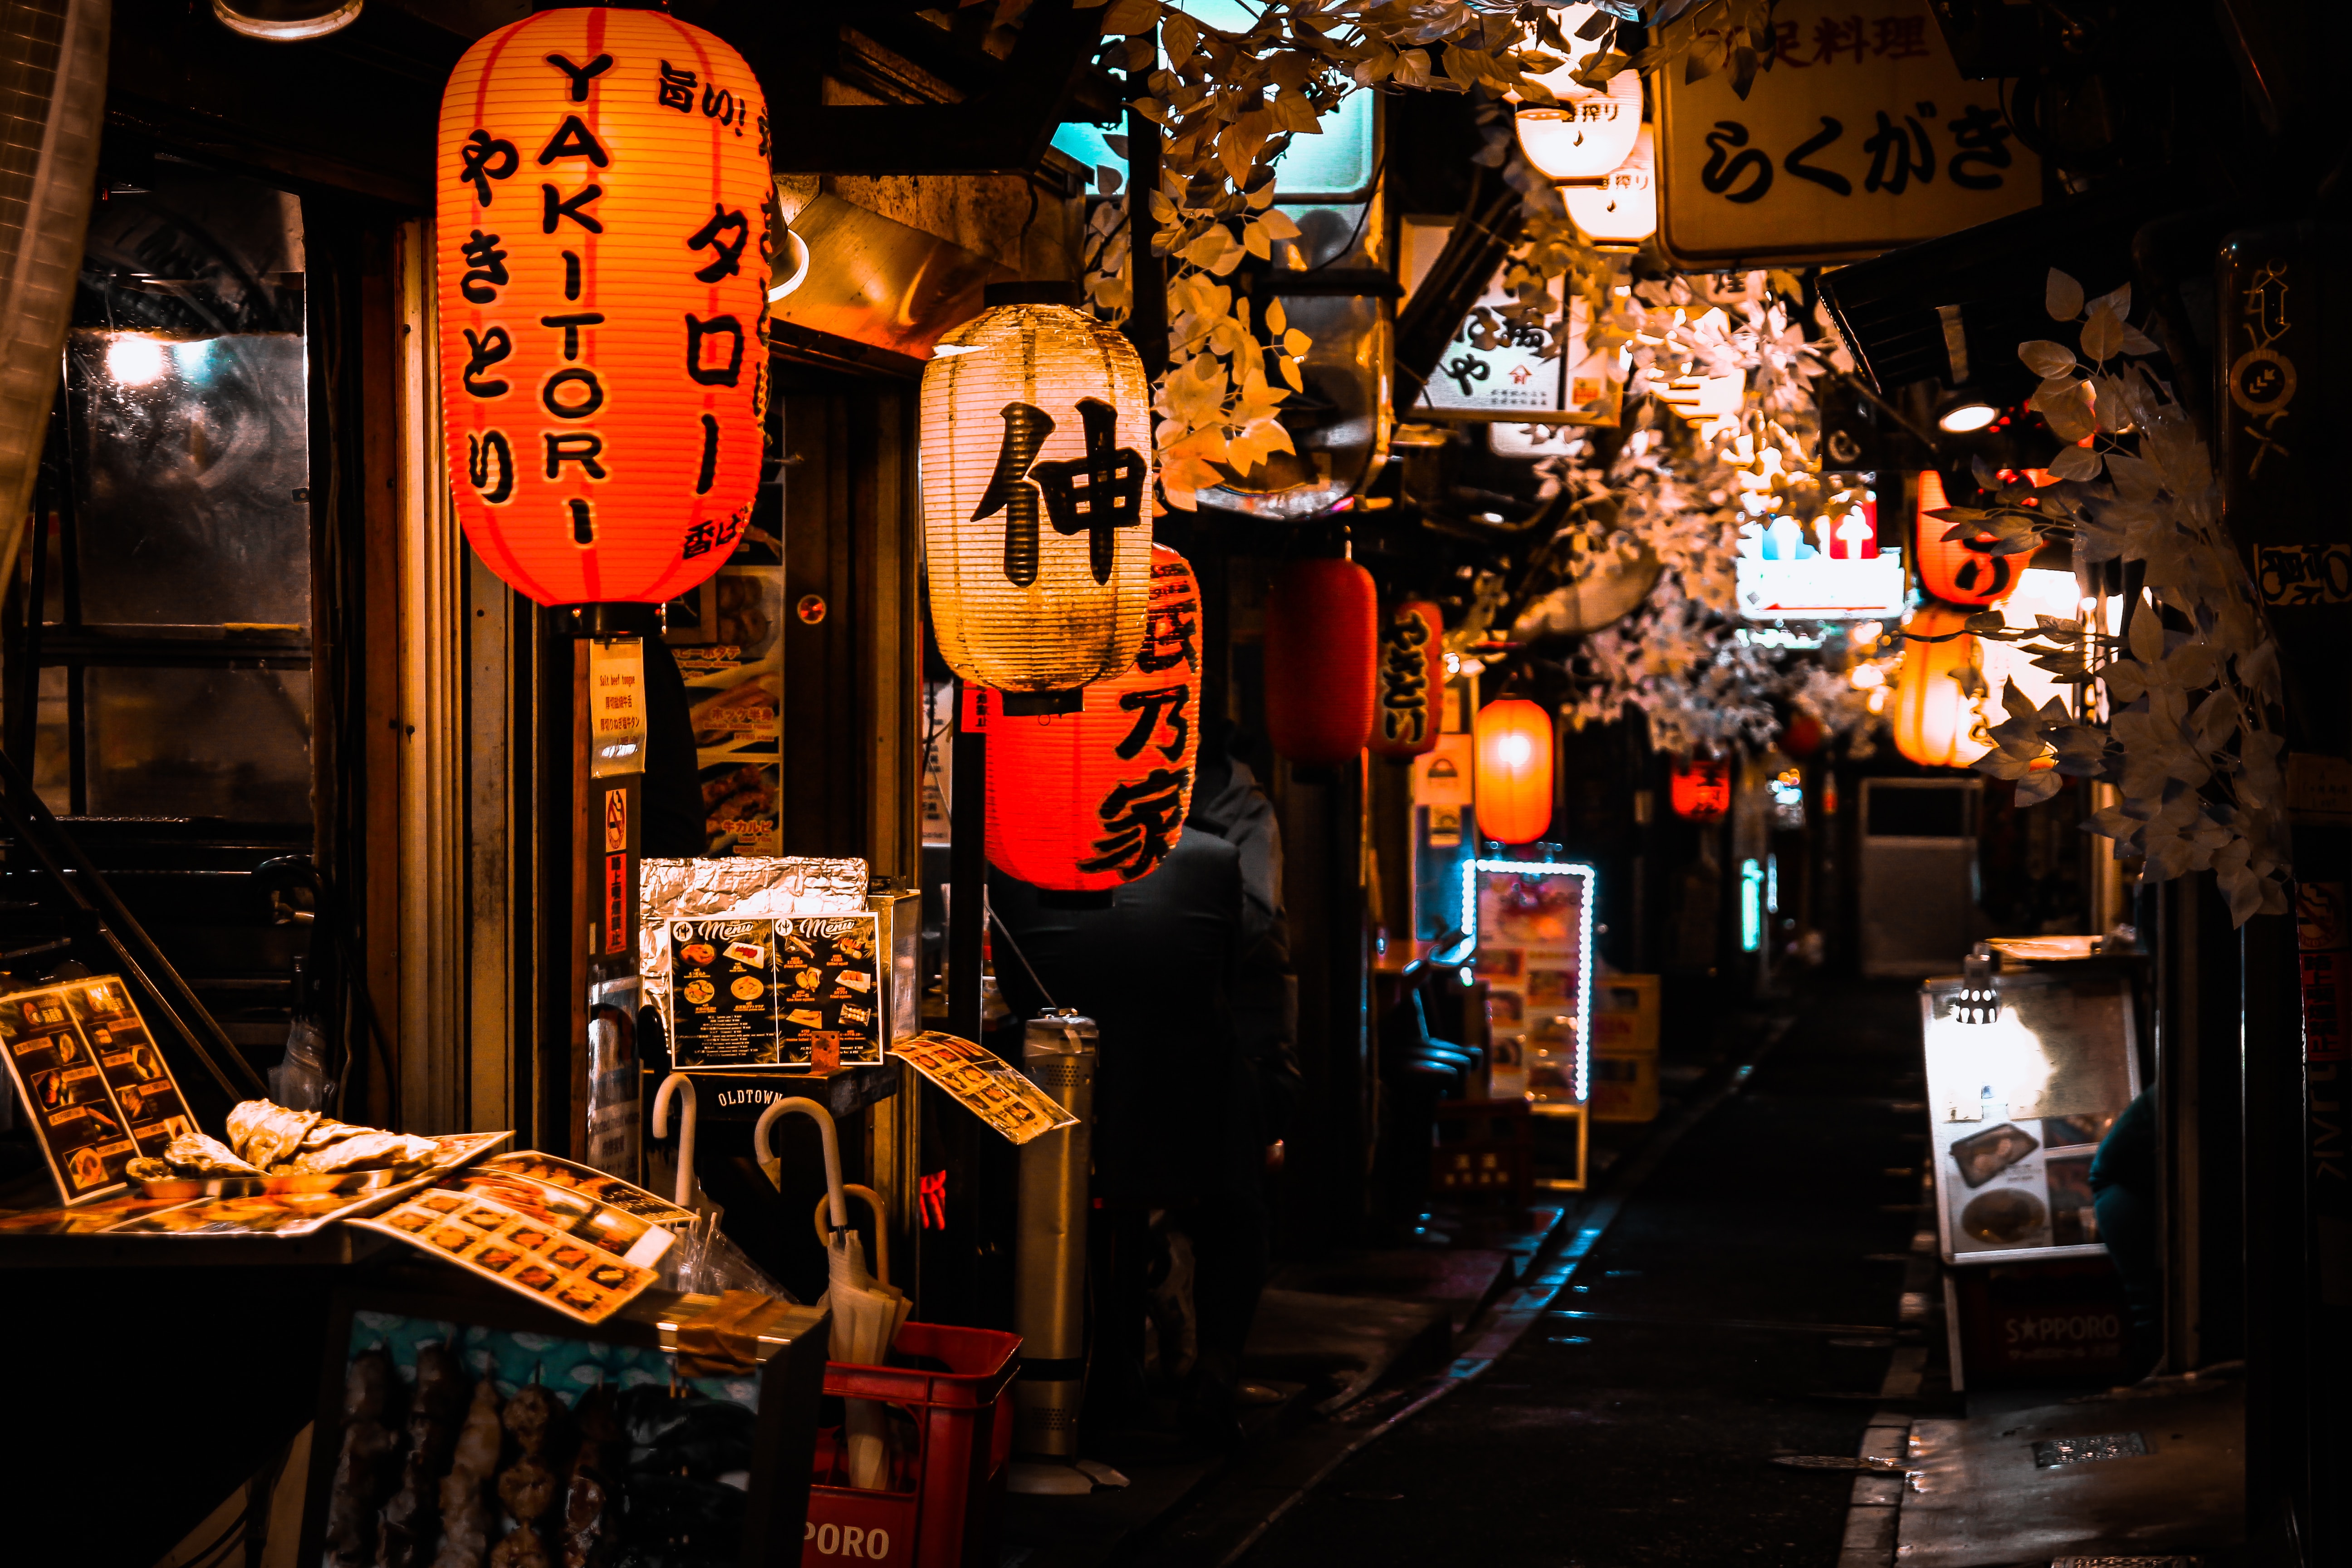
865	1312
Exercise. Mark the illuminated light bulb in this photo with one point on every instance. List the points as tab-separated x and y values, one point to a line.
134	360
1962	418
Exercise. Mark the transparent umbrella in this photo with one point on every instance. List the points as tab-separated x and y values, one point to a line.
865	1312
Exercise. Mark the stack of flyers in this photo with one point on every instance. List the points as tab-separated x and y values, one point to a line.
552	1171
520	1251
99	1091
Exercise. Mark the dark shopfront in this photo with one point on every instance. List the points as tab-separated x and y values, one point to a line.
336	771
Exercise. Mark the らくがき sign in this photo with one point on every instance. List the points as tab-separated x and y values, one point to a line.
1858	137
605	223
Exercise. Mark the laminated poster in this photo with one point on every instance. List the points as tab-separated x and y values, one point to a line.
527	1254
99	1091
728	638
990	1086
829	991
722	999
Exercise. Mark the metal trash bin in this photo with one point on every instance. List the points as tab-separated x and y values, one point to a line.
1049	1290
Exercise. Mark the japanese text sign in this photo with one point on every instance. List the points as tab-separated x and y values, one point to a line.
1859	137
606	222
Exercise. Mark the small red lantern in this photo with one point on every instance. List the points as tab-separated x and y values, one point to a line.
1512	787
1080	802
1407	685
1319	630
1958	571
1701	789
1800	737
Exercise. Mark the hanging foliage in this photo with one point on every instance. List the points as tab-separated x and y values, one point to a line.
2190	682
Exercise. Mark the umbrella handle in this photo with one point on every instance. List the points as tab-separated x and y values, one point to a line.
881	1231
824	1120
674	1084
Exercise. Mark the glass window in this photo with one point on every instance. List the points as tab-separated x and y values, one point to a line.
1335	162
174	565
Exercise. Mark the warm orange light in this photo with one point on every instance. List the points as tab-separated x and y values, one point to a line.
1951	569
1512	785
1936	723
606	225
1093	799
1700	789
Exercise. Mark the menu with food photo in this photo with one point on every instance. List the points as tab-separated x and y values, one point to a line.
99	1091
829	991
722	994
526	1252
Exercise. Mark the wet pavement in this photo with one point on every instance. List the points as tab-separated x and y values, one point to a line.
1744	1302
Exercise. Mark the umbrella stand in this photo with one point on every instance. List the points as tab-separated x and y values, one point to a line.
866	1315
677	1083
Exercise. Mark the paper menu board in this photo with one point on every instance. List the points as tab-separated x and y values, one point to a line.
722	1004
989	1087
1533	921
518	1250
98	1090
829	991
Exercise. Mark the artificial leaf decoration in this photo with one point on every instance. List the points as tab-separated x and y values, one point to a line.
2064	297
2047	359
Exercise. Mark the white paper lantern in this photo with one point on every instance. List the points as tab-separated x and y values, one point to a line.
1625	210
1584	136
1038	499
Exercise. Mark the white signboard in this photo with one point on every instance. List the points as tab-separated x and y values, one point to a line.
1496	369
1821	588
1860	138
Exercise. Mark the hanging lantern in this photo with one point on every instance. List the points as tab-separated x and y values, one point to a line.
1587	134
1958	571
1937	722
1801	736
1320	631
1036	485
1080	802
1512	785
1623	210
1700	789
1409	683
605	225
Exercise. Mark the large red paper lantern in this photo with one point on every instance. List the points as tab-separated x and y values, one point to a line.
1407	685
1700	789
1512	756
605	223
1320	621
1959	571
1080	802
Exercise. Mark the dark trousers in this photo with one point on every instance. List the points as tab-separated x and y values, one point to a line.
1229	1263
2128	1224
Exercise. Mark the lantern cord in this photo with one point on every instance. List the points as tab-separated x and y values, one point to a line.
998	921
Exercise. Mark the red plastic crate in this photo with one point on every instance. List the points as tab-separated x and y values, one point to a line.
942	1510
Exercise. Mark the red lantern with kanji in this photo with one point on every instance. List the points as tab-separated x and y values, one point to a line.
1320	625
1511	754
1700	789
1409	681
1081	801
606	220
1959	571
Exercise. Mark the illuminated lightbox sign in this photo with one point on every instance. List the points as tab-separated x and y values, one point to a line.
1532	922
1821	588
